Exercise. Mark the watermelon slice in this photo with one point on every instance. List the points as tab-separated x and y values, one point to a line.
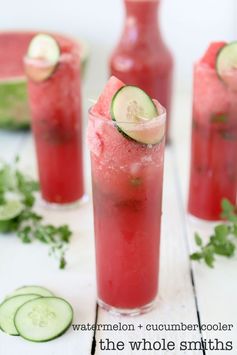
14	111
209	57
102	107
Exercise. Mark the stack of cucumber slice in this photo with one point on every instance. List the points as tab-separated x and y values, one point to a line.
34	313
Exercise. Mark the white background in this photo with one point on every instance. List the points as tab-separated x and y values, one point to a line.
188	26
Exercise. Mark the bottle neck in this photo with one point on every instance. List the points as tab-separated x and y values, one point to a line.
142	13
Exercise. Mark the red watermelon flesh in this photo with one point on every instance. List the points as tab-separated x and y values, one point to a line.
102	107
14	46
209	57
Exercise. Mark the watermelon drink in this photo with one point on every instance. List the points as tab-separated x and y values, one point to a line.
127	175
141	57
52	67
214	135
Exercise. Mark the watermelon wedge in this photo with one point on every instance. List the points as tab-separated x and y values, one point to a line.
14	111
209	57
102	107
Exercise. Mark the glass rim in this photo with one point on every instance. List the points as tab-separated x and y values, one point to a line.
160	119
198	65
64	57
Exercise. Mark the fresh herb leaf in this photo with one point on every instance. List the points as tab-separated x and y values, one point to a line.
63	263
222	232
136	181
26	187
235	230
196	256
2	198
25	235
208	254
198	239
29	225
222	242
229	211
225	249
219	118
9	226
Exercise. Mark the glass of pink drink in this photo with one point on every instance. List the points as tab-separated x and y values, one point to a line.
214	140
127	179
55	102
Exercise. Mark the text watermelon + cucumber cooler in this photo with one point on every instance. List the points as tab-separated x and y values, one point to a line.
14	110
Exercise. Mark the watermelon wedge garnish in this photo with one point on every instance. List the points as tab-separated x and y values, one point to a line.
209	57
103	104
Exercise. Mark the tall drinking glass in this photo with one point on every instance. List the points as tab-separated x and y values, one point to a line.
127	182
57	126
213	173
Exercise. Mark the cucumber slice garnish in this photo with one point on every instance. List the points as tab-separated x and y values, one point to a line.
226	64
44	46
36	290
134	113
8	310
43	319
42	57
10	210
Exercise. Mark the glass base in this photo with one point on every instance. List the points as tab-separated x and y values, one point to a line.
63	206
130	312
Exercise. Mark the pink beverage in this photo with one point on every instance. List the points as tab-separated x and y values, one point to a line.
141	57
55	103
214	140
127	180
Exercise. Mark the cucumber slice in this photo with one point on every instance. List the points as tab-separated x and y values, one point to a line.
42	57
226	64
10	210
36	290
135	114
43	319
8	309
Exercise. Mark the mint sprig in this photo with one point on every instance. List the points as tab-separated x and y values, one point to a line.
222	241
29	225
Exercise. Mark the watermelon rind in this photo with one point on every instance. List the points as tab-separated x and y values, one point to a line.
14	110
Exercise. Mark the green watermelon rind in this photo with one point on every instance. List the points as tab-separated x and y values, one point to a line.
14	110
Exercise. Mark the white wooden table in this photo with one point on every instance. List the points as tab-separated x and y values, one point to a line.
189	292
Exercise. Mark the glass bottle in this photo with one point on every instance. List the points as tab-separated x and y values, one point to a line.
141	57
